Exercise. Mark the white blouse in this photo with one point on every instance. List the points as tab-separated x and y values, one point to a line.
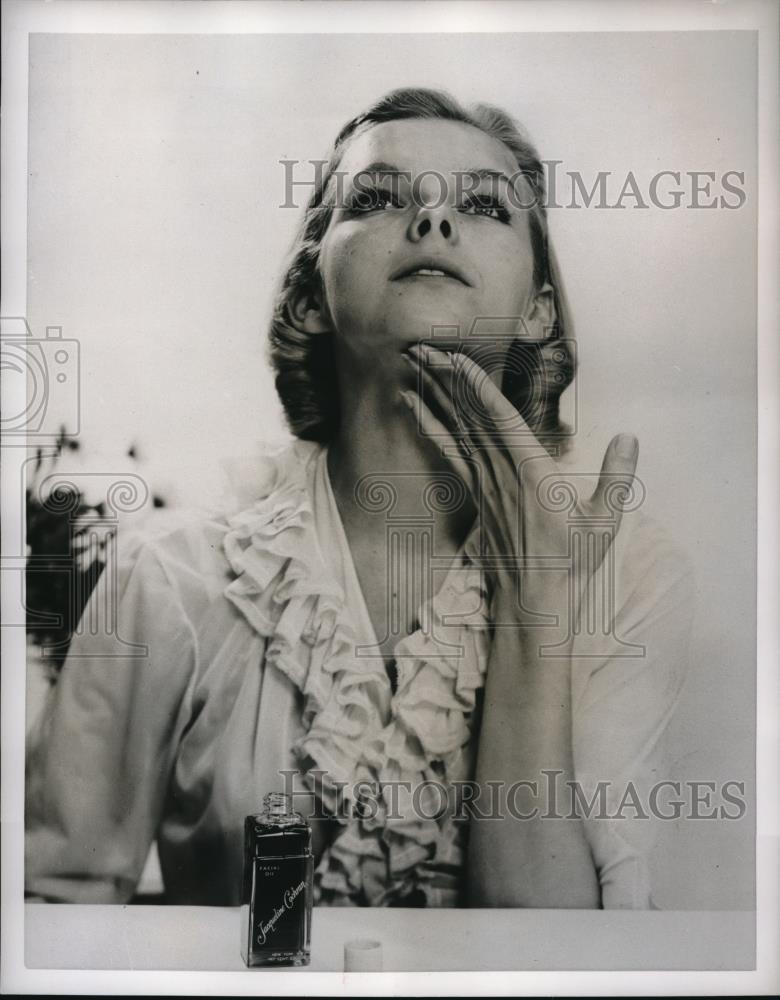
256	660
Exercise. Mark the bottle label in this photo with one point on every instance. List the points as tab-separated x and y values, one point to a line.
279	911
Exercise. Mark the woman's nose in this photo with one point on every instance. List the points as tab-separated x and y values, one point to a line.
434	223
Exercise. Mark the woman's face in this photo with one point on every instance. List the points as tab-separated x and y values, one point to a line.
447	210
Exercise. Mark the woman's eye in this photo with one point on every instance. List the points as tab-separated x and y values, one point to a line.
487	205
372	200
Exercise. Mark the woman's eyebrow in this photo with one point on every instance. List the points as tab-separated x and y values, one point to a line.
380	167
488	173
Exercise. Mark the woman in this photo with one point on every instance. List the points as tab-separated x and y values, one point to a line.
394	621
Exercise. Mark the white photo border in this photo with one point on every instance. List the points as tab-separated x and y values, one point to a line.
22	17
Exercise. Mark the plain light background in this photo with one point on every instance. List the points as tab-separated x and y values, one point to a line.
155	239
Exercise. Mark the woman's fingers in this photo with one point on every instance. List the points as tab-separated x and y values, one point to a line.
492	482
432	427
469	407
616	480
487	409
440	392
474	473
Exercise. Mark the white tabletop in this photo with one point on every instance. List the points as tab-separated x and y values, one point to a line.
207	938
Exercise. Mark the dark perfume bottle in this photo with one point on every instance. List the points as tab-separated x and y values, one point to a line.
276	898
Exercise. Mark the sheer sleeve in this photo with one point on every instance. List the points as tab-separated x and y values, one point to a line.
623	711
100	755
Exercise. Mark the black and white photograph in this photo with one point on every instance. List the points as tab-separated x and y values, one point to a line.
386	401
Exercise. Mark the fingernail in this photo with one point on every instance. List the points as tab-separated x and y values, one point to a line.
626	445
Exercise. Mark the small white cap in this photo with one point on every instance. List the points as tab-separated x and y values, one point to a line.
363	955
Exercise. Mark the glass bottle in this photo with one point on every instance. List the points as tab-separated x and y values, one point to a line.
276	898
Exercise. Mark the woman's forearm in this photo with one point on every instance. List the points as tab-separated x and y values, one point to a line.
526	731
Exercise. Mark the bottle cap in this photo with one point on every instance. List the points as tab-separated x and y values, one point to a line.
363	955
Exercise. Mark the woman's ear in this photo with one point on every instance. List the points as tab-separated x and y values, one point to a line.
540	319
309	312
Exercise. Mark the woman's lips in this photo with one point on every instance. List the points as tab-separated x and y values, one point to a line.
417	276
430	268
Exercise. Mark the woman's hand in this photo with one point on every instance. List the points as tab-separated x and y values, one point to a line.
532	515
534	521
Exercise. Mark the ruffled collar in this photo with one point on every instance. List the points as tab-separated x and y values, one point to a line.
356	729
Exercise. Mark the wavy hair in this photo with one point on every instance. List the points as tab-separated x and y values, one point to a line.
535	374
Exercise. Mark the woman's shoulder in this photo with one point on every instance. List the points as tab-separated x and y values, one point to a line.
271	468
188	543
648	557
652	564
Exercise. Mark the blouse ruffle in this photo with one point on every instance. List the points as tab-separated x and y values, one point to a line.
382	762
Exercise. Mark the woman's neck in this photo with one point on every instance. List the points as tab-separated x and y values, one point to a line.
379	436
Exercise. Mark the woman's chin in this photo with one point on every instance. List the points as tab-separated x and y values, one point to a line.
429	322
